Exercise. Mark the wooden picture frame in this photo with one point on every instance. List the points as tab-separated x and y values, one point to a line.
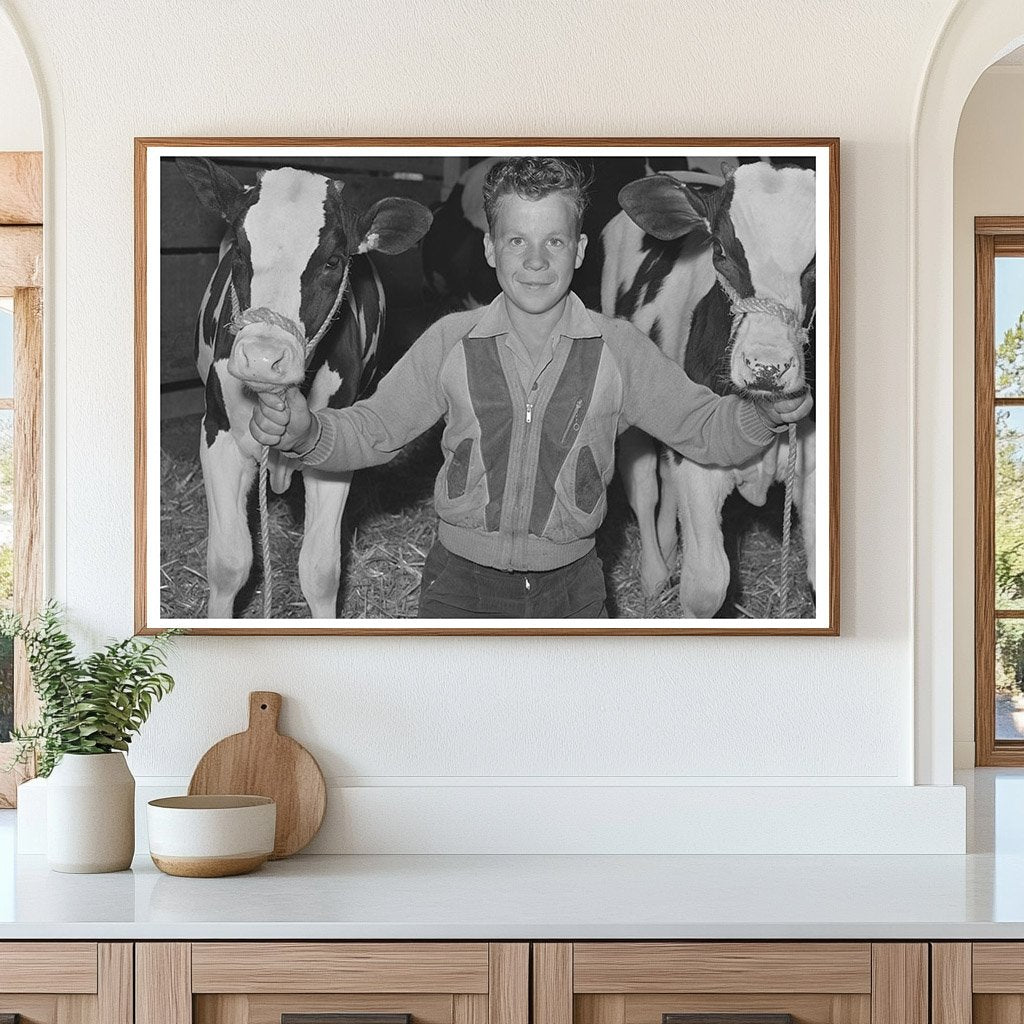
170	581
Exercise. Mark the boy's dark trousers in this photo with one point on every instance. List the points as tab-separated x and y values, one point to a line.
456	588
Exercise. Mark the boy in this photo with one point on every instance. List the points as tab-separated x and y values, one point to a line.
534	390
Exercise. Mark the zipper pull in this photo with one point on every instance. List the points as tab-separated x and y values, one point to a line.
529	405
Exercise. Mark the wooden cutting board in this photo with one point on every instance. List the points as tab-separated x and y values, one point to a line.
262	762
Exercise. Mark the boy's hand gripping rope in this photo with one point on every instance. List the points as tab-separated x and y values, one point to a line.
240	319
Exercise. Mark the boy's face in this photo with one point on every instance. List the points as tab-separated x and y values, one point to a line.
534	246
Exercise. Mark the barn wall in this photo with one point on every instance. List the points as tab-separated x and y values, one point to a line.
461	719
989	157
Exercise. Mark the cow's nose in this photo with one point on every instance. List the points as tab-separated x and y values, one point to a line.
261	360
764	374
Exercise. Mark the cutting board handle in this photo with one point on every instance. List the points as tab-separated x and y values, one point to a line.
264	710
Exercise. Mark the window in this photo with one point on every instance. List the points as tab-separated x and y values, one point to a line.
999	490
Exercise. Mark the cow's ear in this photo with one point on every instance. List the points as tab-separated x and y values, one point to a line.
392	225
213	186
665	207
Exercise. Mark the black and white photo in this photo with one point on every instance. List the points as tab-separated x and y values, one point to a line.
452	386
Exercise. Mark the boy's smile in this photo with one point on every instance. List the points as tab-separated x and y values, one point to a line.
535	247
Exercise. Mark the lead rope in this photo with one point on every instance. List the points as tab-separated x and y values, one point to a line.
787	522
264	315
268	574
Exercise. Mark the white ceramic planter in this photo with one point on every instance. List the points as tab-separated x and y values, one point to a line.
90	814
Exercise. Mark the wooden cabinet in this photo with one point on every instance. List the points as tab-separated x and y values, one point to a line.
512	983
263	982
979	982
66	982
650	982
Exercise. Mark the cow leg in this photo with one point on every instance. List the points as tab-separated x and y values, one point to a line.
704	567
668	514
320	555
228	475
806	496
638	464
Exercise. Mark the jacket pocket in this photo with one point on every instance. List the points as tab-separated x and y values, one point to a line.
458	469
573	424
460	488
588	486
580	498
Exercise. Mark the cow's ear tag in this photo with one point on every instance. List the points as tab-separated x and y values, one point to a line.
371	241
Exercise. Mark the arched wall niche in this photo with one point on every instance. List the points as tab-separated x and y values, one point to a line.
976	34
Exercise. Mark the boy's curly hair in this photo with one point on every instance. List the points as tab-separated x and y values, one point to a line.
535	177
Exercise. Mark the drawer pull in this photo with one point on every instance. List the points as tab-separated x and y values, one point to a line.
727	1018
339	1018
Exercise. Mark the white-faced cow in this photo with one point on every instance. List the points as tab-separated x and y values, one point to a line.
723	281
292	303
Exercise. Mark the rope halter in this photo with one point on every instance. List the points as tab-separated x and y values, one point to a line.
741	307
264	315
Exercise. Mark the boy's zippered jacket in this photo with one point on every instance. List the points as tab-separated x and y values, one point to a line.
526	468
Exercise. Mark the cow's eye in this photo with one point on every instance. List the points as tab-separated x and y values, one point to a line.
332	262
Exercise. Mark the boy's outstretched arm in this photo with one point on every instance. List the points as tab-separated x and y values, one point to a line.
663	401
407	401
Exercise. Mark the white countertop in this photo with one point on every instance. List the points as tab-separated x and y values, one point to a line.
976	896
517	897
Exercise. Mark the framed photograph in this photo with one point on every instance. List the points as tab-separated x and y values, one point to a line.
456	386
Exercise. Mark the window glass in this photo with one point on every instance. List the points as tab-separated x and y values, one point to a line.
1009	511
6	351
1009	327
1009	679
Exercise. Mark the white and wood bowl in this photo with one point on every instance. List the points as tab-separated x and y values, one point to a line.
211	836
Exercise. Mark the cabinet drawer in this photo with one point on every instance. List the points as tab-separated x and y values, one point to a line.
65	967
332	983
340	967
66	982
981	982
730	983
634	967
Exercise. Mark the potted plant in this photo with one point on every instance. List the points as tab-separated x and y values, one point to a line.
89	710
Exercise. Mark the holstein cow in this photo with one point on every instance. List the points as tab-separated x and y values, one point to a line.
723	281
292	303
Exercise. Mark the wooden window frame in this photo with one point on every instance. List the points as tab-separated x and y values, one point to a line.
21	278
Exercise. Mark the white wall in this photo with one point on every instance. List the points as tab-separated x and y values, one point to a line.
21	127
435	712
988	182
